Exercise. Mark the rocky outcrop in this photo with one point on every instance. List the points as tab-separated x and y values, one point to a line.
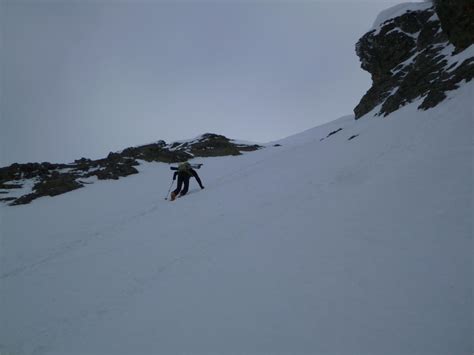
159	151
331	134
49	179
114	167
457	21
55	184
213	145
410	57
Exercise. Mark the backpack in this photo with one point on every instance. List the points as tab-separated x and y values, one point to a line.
185	168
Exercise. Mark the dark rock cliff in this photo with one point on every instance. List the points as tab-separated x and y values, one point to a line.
414	56
457	21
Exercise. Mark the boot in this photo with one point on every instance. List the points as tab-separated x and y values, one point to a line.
173	196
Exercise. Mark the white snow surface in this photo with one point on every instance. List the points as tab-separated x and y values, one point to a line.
312	247
457	59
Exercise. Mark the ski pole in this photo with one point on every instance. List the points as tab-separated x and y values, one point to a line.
172	181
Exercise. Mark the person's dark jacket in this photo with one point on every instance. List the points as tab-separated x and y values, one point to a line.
183	181
186	176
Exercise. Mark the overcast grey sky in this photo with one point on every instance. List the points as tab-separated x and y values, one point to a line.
82	78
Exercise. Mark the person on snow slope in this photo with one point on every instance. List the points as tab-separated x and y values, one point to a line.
184	173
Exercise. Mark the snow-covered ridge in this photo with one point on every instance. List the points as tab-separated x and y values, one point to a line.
23	183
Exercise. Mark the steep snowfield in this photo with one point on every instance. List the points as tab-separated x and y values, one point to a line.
331	246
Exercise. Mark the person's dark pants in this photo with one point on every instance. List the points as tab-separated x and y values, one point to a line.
182	180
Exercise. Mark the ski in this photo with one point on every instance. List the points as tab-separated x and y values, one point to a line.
194	166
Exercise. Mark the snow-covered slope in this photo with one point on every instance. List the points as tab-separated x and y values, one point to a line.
316	246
